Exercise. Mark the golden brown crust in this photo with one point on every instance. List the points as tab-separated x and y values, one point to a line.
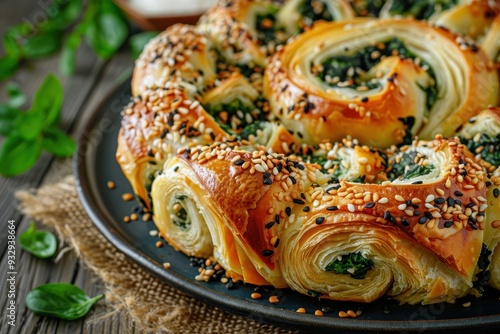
303	103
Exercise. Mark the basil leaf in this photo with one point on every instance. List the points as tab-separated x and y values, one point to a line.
17	155
42	244
106	33
55	141
10	45
60	300
28	125
16	96
8	66
7	119
68	58
48	100
41	45
138	41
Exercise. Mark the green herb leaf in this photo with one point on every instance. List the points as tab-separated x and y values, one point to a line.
41	45
7	119
55	141
354	264
42	244
48	100
17	155
60	300
107	32
16	96
10	45
28	125
8	66
138	41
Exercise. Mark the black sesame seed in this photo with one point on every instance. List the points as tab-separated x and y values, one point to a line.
239	162
292	179
332	208
320	220
458	193
306	209
268	181
300	166
496	192
472	220
326	309
422	220
470	205
364	99
439	200
473	226
302	195
164	133
450	201
459	202
269	225
417	182
404	222
428	214
370	205
416	213
298	201
277	218
276	244
230	285
267	252
267	174
176	168
288	211
448	223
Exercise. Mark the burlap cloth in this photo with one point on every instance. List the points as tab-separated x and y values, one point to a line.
153	305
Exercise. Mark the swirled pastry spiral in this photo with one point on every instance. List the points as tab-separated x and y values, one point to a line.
284	146
325	86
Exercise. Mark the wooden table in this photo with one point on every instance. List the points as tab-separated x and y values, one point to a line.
94	78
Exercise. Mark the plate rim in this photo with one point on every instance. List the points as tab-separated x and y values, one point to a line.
271	314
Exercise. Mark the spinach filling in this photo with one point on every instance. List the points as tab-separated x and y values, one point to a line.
236	115
488	147
484	275
354	264
367	7
314	10
420	9
181	217
332	167
349	70
405	167
251	130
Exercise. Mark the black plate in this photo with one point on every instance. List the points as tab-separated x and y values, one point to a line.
95	165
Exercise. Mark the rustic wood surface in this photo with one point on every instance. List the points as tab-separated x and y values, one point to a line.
94	78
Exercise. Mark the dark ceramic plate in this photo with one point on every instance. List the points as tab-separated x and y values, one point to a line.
95	165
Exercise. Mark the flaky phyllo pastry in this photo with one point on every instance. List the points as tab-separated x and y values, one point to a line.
348	160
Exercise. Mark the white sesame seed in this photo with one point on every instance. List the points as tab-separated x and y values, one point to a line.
383	200
259	168
402	207
351	207
399	198
429	198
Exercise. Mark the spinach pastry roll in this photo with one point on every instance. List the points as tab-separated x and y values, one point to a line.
378	82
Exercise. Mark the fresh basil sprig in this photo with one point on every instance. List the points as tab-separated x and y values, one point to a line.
30	132
102	24
42	244
60	300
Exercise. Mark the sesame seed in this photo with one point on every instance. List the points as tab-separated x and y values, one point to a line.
320	220
306	209
351	314
166	265
429	198
332	208
383	200
402	207
343	314
409	212
399	198
496	192
440	191
159	244
351	207
439	200
255	295
259	168
318	313
273	299
370	205
404	222
111	185
267	252
298	201
288	211
301	310
134	216
239	162
448	223
127	197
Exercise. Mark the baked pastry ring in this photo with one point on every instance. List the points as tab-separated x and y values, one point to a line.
314	89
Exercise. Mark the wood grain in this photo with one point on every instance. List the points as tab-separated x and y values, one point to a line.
93	80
